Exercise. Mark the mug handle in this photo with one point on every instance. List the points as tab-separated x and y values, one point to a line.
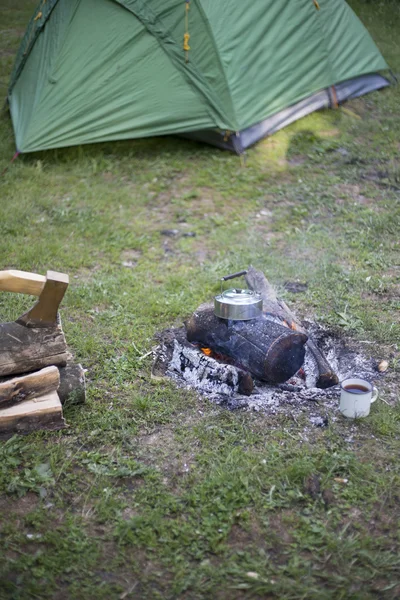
375	394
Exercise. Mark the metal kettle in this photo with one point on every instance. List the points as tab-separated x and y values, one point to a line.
237	304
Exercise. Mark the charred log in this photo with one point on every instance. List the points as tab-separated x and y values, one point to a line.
268	350
206	374
274	306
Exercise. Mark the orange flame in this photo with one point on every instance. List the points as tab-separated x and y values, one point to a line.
206	351
291	325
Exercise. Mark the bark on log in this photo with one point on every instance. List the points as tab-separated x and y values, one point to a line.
24	349
44	412
268	350
18	389
276	307
72	388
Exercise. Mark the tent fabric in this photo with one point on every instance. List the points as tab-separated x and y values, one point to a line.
98	70
238	142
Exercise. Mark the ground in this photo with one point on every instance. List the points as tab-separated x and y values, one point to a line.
152	492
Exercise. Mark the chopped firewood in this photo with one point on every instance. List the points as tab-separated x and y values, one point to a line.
29	386
44	412
34	348
277	308
24	349
72	388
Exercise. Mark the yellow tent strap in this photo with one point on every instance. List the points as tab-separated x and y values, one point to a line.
38	16
186	35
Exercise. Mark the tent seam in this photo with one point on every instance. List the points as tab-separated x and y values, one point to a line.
321	29
21	59
190	71
54	65
211	32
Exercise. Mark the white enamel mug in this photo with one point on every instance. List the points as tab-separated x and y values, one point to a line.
356	397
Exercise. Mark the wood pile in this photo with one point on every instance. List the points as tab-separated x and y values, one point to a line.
37	373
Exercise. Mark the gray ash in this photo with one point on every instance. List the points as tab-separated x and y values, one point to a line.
219	382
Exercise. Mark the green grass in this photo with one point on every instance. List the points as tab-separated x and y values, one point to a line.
152	492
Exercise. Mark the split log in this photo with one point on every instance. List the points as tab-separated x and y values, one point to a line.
268	350
276	307
72	388
206	374
24	349
201	371
29	386
44	412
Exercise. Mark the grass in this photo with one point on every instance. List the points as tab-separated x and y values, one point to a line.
152	492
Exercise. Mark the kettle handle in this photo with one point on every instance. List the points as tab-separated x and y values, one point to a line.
227	277
238	274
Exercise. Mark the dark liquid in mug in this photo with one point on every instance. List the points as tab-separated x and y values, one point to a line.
356	388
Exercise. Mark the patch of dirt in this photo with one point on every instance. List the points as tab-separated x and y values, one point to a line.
297	160
130	257
163	450
128	513
20	507
241	537
328	133
280	529
86	275
347	190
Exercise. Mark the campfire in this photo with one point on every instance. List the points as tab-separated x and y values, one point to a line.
265	363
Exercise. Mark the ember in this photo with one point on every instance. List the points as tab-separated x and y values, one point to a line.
206	351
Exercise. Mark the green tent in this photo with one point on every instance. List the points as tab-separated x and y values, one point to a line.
225	71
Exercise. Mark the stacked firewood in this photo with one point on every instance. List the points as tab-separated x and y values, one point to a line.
37	373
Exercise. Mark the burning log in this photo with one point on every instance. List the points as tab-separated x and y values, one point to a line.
268	350
199	369
208	375
277	308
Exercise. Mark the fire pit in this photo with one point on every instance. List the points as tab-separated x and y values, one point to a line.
273	364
